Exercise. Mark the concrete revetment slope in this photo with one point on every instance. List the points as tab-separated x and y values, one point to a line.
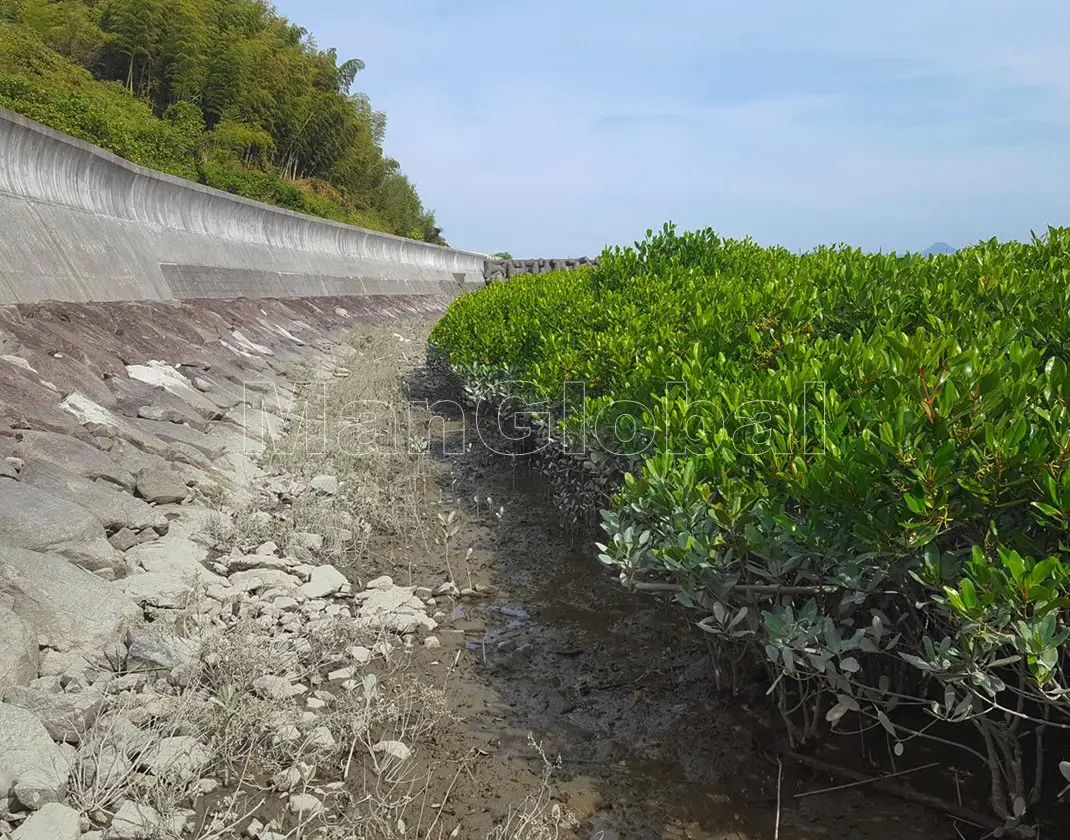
80	224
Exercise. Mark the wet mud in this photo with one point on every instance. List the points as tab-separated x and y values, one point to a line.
621	688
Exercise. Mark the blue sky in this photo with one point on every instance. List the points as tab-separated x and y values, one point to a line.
553	128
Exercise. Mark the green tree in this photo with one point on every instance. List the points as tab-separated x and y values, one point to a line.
182	62
69	27
137	27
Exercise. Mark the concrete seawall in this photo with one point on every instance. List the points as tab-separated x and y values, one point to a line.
80	224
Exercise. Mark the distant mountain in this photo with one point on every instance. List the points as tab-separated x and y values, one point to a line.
938	248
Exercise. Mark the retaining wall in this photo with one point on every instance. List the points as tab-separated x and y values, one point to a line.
80	224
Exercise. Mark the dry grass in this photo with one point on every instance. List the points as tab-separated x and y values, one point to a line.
359	428
538	817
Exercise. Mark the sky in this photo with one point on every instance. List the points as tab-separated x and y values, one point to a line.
557	127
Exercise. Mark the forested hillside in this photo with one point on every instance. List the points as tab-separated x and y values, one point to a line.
224	92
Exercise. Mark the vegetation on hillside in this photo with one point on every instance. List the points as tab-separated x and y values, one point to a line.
224	92
855	466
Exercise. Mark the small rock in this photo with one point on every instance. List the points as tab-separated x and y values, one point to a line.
287	734
263	579
172	555
19	652
148	651
274	688
123	540
324	581
432	642
160	487
395	609
383	649
52	822
268	549
181	756
135	821
247	562
305	803
286	779
105	766
321	738
306	540
382	582
360	654
221	593
394	749
326	484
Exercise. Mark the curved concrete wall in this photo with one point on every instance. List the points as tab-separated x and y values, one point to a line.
79	224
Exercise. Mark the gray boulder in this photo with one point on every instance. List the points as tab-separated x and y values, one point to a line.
172	555
33	770
183	391
113	507
33	519
67	608
52	822
19	656
148	651
66	715
161	487
164	590
73	455
123	539
105	765
187	436
393	608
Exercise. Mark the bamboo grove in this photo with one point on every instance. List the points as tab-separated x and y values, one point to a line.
224	92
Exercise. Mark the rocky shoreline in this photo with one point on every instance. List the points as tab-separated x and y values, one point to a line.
150	652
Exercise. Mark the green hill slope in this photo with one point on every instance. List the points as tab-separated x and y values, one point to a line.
223	92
